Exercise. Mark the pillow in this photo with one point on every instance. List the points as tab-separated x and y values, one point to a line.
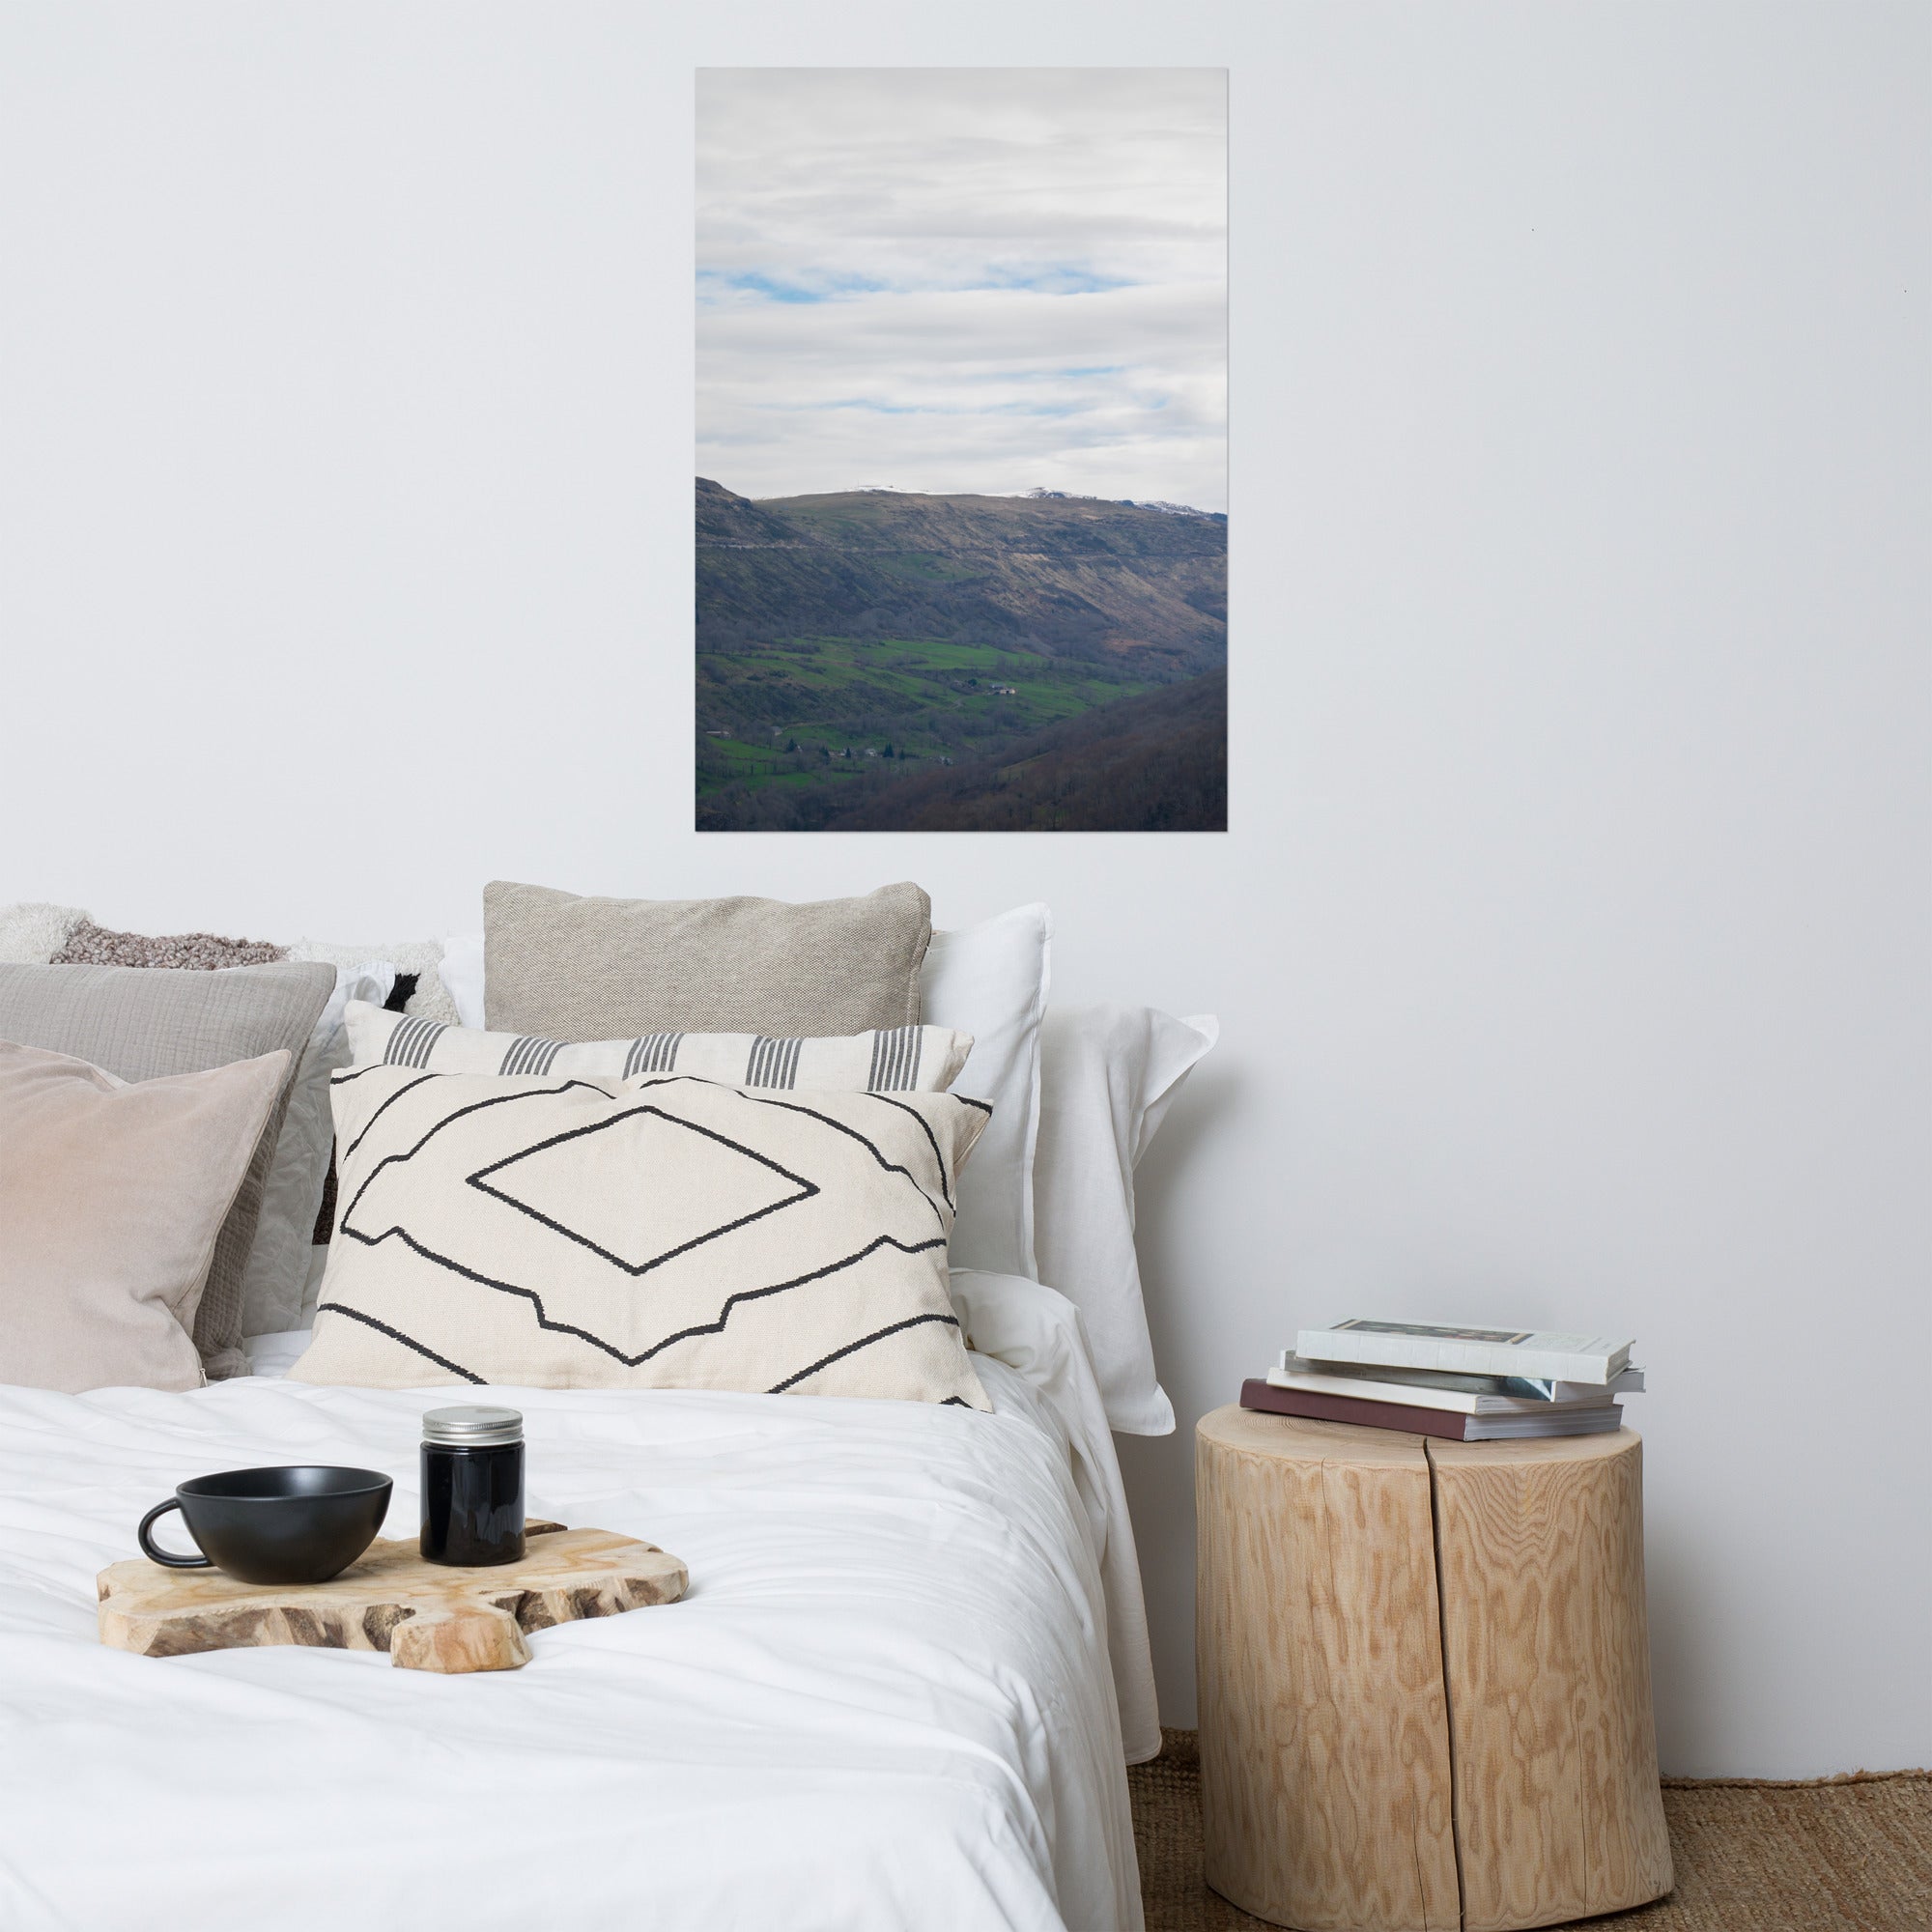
140	1025
277	1264
461	971
90	944
420	959
52	935
31	934
924	1059
990	980
1108	1076
112	1194
278	1258
658	1233
569	968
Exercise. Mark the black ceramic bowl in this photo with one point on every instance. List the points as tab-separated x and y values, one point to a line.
301	1524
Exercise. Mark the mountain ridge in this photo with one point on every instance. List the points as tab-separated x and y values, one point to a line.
1060	576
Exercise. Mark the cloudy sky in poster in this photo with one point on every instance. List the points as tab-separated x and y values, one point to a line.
959	279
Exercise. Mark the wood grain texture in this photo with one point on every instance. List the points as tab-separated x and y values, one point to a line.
1546	1654
426	1615
1325	1762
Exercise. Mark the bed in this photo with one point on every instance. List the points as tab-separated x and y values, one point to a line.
912	1664
901	1691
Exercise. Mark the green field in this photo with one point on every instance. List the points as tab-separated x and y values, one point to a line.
812	708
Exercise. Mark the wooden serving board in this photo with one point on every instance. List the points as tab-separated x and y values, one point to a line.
426	1615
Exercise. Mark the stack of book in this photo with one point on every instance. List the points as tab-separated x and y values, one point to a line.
1468	1384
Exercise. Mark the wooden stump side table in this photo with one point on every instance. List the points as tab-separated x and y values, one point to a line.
1424	1677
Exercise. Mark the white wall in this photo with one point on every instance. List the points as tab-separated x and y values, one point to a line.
1571	941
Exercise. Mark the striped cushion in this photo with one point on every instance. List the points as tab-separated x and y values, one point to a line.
896	1059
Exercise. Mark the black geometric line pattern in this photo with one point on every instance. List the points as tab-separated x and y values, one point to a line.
871	1147
804	1189
411	1088
925	1127
397	1335
738	1300
449	1119
863	1342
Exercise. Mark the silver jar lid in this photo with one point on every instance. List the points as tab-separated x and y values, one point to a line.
472	1428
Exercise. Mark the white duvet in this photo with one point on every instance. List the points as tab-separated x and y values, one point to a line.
886	1700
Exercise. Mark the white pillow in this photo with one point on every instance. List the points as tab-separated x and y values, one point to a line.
278	1265
461	972
1110	1074
991	980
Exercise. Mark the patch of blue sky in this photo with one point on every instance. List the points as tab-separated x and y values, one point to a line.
1083	372
872	406
1050	278
716	284
1055	278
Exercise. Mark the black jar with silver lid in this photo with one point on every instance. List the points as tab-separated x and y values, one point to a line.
472	1486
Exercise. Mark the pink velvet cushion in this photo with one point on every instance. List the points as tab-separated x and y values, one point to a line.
111	1196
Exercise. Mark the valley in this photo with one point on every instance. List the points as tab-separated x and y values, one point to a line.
850	644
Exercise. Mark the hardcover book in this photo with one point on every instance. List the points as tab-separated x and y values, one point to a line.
1468	1350
1459	1395
1590	1419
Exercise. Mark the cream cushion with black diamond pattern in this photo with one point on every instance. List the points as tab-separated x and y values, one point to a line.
661	1231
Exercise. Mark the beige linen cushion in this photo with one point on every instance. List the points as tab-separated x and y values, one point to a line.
140	1025
570	968
655	1232
112	1194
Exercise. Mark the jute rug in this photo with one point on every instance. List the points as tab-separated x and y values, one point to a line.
1850	1855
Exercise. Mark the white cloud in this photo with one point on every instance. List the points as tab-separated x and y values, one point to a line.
963	279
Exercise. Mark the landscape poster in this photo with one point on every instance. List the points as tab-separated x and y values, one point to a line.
961	501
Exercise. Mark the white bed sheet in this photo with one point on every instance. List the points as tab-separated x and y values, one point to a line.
885	1701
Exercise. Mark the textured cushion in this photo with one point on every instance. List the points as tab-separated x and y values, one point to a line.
418	961
53	935
924	1059
657	1233
90	944
141	1026
32	933
569	968
990	980
111	1197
